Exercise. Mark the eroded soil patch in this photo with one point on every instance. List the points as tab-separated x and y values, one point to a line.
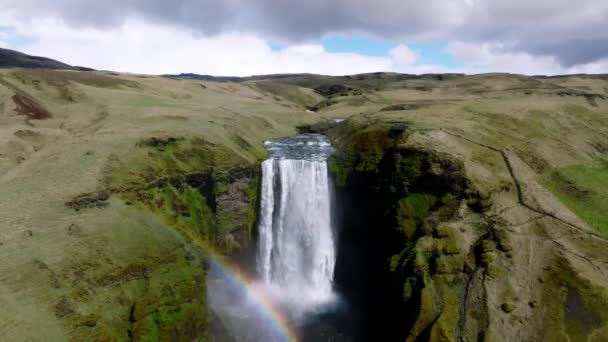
29	108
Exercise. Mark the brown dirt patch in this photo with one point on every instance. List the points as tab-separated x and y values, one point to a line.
403	106
29	108
90	200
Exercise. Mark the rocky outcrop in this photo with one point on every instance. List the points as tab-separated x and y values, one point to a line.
204	191
404	208
206	196
425	257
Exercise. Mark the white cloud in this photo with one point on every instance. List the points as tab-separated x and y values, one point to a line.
488	57
574	32
141	47
404	55
599	67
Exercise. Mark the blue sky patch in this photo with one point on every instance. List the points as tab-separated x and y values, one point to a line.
436	54
277	46
10	37
357	44
430	53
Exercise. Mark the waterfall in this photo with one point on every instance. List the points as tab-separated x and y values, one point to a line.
296	248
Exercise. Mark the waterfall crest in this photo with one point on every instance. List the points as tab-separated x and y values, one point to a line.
296	248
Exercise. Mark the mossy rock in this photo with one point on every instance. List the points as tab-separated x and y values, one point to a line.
430	309
479	202
507	307
487	259
409	288
369	145
449	240
443	231
445	328
503	241
361	148
411	212
450	246
488	246
449	264
422	263
427	227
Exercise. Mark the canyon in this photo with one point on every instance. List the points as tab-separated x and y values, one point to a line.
455	205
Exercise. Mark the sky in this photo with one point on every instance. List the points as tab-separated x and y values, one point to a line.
333	37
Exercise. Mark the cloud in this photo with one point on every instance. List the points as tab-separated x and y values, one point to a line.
292	20
139	47
231	37
404	55
574	32
571	52
136	46
488	57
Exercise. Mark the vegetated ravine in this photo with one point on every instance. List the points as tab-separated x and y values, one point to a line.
353	248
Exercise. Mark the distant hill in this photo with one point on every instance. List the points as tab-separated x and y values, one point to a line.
376	75
191	76
16	59
588	76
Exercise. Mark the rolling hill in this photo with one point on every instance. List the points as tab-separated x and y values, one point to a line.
116	186
16	59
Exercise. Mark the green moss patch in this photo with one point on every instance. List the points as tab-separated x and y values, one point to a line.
411	211
584	189
359	149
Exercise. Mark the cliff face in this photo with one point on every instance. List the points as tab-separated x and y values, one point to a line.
208	196
205	192
203	198
426	252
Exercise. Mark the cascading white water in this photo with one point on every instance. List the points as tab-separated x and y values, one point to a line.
296	248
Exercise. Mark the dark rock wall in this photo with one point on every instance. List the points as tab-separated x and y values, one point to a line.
401	260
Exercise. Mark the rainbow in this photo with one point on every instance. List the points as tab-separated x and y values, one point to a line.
266	309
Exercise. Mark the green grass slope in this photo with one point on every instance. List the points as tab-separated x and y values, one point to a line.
101	220
584	189
112	186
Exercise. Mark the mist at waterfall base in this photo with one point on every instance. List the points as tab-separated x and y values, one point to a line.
292	294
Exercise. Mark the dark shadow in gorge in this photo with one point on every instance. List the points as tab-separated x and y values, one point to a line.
373	306
369	221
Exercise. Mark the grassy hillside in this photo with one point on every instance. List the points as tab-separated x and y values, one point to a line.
582	188
100	213
112	183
